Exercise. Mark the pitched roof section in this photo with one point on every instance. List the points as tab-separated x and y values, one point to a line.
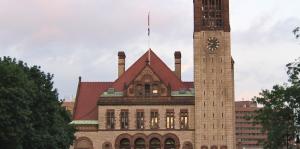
87	96
157	65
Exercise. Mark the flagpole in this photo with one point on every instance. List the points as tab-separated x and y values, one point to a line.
149	38
149	29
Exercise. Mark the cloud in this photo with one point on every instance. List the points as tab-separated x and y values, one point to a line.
72	38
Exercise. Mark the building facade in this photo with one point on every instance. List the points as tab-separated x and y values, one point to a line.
248	135
149	107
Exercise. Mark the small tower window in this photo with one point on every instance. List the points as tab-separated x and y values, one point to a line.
212	13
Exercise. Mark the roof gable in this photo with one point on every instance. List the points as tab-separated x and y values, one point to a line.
158	67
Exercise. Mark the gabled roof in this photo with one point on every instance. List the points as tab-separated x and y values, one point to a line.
157	65
88	93
87	96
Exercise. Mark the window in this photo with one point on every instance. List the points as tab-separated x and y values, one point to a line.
154	119
147	90
170	119
155	90
139	90
212	13
124	119
140	119
125	144
139	144
110	119
170	144
154	143
184	119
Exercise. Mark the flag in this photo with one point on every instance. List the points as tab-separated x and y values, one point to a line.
149	23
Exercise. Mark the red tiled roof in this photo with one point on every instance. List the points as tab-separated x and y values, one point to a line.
188	84
86	99
88	93
159	68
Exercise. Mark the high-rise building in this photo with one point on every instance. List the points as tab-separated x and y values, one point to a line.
248	135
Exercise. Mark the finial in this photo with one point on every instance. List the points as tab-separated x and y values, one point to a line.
79	78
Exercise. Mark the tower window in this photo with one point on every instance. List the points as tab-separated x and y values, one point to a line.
212	14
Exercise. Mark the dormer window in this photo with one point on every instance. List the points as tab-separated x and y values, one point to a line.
147	90
155	89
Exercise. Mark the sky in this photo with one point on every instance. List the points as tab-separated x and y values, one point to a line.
72	38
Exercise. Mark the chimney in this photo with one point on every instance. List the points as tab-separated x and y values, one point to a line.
121	63
177	56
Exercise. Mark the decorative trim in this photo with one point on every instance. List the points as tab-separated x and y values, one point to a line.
84	122
141	130
146	101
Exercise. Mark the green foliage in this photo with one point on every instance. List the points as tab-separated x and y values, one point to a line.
31	115
279	115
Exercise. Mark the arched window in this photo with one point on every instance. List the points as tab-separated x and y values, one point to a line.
223	147
204	147
154	143
214	147
187	145
107	145
125	144
83	143
170	144
139	143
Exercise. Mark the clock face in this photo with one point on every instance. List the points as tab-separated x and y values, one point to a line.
213	44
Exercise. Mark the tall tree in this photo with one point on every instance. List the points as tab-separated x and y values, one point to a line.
280	112
31	114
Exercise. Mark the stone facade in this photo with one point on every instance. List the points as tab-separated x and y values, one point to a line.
102	135
214	91
199	114
213	76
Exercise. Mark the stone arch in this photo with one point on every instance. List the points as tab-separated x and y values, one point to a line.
123	136
214	147
83	142
106	145
171	136
155	136
223	147
142	136
204	147
187	145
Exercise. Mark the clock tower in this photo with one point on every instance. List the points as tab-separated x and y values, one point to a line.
213	76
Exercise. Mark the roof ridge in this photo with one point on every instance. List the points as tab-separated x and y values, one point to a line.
97	82
166	66
131	66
